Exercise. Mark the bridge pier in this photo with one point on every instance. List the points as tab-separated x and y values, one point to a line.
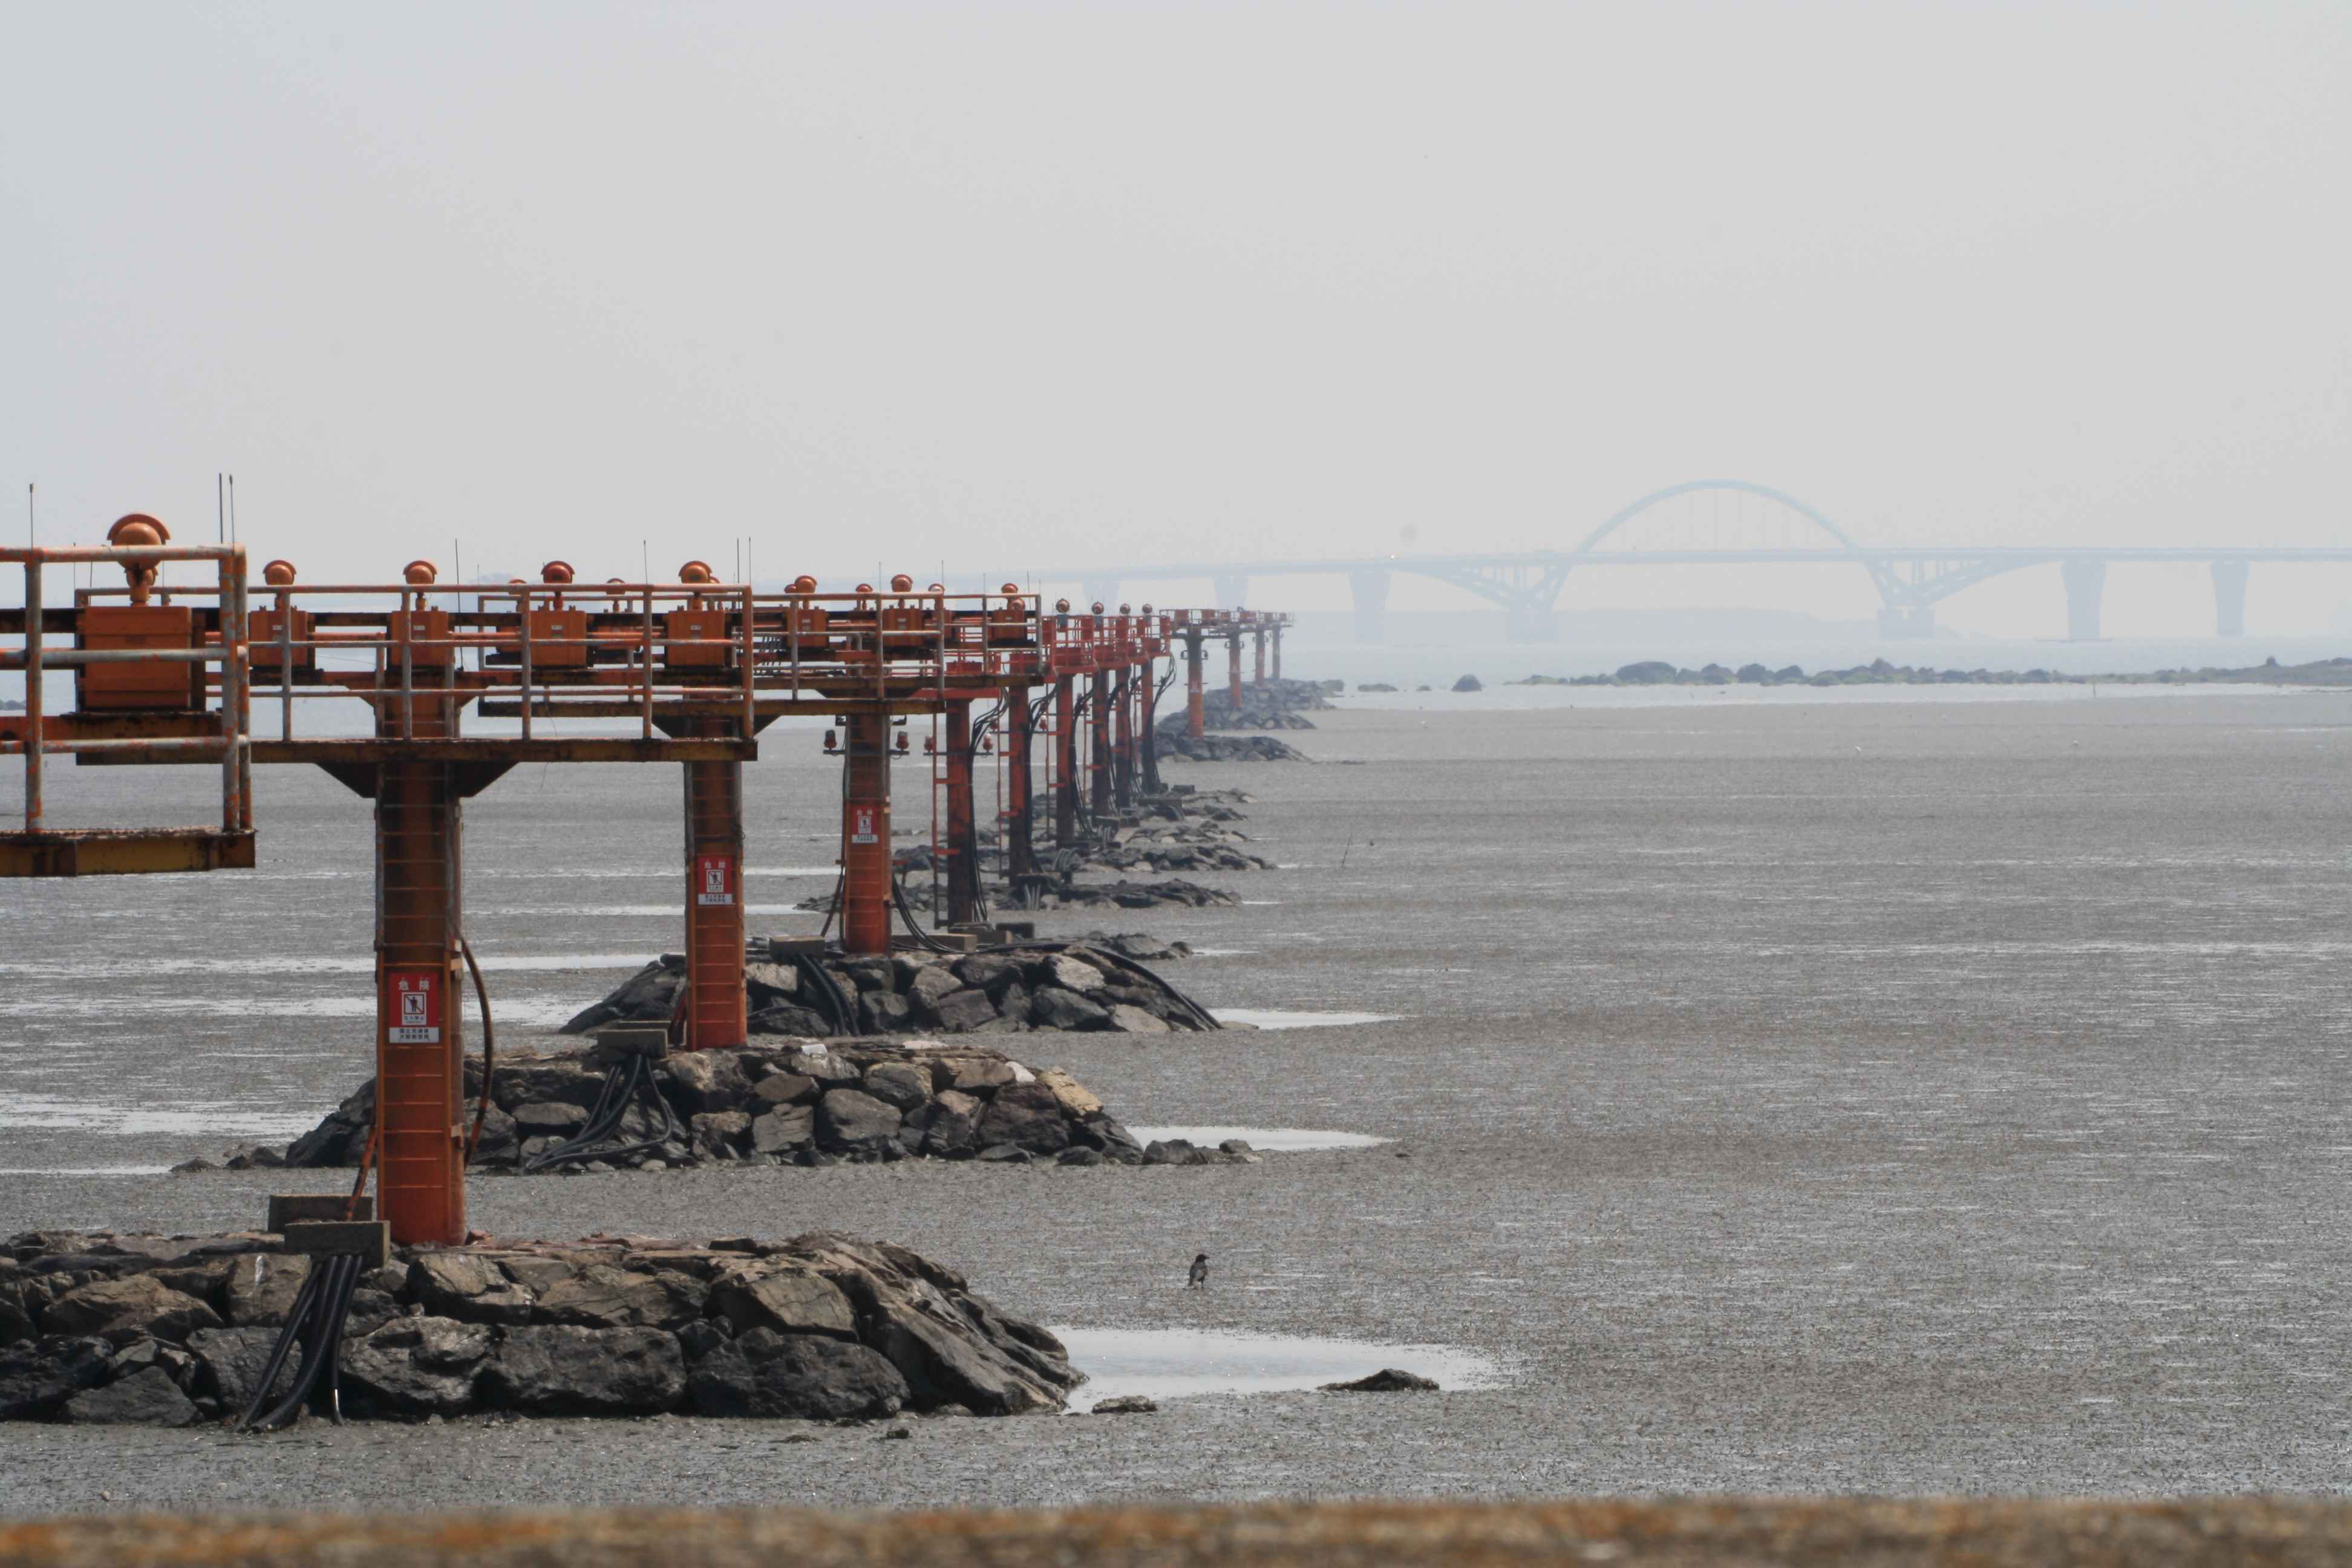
2230	598
1902	621
2083	580
1527	618
1371	591
1231	593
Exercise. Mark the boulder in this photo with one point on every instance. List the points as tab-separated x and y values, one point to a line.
550	1119
464	1285
1132	1403
819	1379
989	971
885	1012
1070	1094
966	1009
137	1306
541	1081
785	1088
264	1302
146	1398
783	1130
603	1297
790	1018
721	1383
903	1086
418	1366
931	983
946	1365
230	1361
1013	1005
849	1122
1068	973
1129	1019
790	1302
1056	1008
707	1081
38	1376
1388	1380
1026	1116
980	1076
714	1131
827	1069
560	1370
948	1127
868	972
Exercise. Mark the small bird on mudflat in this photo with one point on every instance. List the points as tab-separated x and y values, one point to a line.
1199	1272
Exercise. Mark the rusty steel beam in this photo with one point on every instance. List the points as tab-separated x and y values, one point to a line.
716	1005
866	833
963	838
1196	664
1099	745
1065	764
1122	774
111	852
581	748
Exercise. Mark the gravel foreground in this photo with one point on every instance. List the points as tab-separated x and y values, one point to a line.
1880	1534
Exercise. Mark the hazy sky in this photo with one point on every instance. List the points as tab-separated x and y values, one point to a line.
1014	286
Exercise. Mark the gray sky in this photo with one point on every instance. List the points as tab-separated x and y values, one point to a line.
1021	285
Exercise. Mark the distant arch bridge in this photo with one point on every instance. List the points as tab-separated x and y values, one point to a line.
1687	525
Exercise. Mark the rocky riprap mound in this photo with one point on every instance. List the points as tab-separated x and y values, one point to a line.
1268	704
2325	672
1232	749
804	1104
1175	892
1002	991
109	1330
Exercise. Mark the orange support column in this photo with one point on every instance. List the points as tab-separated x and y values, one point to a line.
1123	769
419	1050
1065	764
1098	749
1259	637
1234	672
1150	759
1020	852
1278	650
1196	667
866	833
716	1007
964	843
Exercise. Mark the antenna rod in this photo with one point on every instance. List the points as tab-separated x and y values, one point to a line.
220	509
232	508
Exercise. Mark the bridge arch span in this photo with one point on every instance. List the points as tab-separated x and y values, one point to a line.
1633	509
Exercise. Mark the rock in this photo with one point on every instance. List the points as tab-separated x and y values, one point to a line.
989	971
137	1306
230	1361
648	994
544	1081
1388	1380
1128	1404
870	972
780	1130
464	1285
1069	974
1027	1116
145	1398
767	984
706	1081
1235	1146
265	1302
560	1370
419	1366
1004	1155
1079	1154
903	1086
827	1069
785	1088
551	1118
1128	1018
930	983
789	1018
967	1009
500	1135
1013	1005
819	1379
1469	683
885	1013
1059	1009
702	1338
721	1383
949	1127
791	1303
981	1076
849	1122
370	1310
1070	1094
603	1297
337	1141
38	1377
717	1131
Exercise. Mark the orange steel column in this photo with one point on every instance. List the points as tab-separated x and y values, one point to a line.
1123	769
1259	637
1065	764
1020	854
1196	665
1098	747
1150	759
1278	650
963	844
866	833
1233	681
420	1051
714	905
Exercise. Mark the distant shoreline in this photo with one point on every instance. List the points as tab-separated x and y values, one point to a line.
1880	672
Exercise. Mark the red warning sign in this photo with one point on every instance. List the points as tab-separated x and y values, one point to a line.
861	825
714	880
413	996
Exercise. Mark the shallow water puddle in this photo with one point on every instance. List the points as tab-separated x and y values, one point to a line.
1275	1140
1297	1018
85	1170
50	1112
1176	1363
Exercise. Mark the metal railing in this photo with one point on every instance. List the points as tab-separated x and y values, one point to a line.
33	738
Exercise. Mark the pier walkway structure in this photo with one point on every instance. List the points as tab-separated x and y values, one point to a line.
1729	523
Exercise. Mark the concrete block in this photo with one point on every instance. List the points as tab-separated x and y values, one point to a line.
293	1208
371	1239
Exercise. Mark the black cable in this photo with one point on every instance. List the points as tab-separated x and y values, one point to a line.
320	1309
845	1016
622	1085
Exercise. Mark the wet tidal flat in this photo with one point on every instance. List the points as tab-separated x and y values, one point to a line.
1887	1096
